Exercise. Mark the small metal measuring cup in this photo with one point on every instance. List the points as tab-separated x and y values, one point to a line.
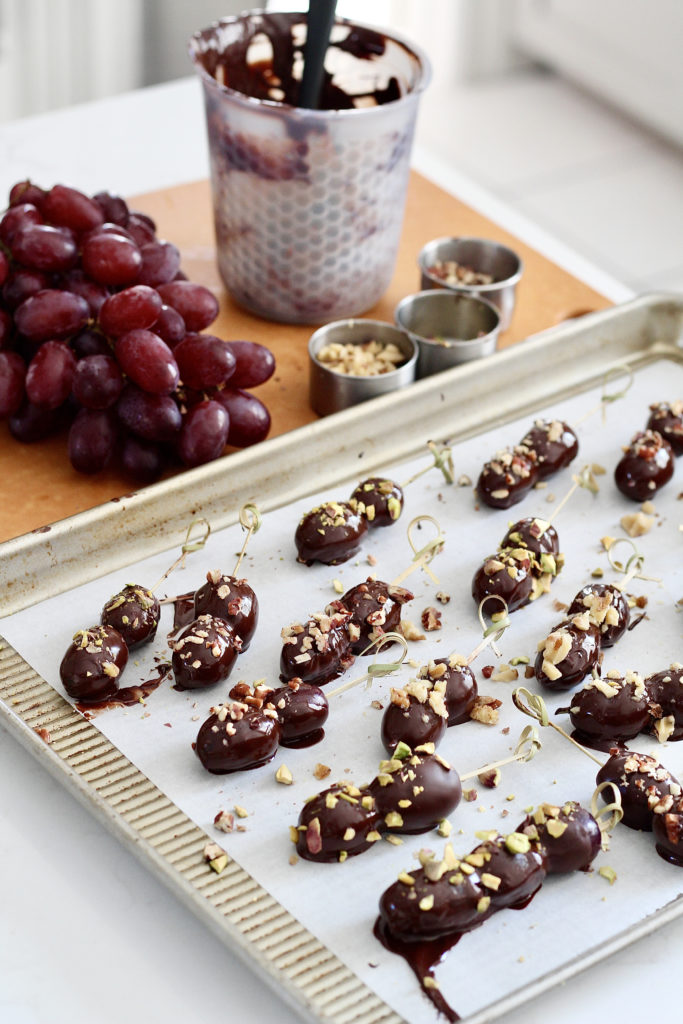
330	391
484	257
448	327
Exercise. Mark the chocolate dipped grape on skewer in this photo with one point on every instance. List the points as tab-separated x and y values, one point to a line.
646	466
444	694
428	909
667	419
414	791
383	498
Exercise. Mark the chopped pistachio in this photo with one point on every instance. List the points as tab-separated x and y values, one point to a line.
338	586
240	811
445	828
426	903
483	904
608	873
517	842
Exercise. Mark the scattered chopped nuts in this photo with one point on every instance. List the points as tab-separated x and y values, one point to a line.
224	821
240	811
490	778
410	630
442	597
371	560
215	857
485	710
636	524
338	586
505	674
609	873
431	619
284	776
367	359
469	795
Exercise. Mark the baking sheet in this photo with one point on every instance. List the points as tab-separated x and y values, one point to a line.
337	902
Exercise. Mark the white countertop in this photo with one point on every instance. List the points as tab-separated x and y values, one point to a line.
87	934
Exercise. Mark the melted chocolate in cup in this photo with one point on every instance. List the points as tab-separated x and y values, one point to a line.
568	653
667	419
570	836
383	500
646	787
508	477
134	613
236	738
228	598
460	692
331	533
204	653
375	609
533	534
289	248
338	823
608	609
555	444
493	578
667	827
418	795
647	464
93	663
610	711
302	711
666	694
318	651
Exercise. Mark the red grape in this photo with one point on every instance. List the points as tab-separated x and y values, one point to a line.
90	343
4	268
170	326
114	208
67	207
42	247
16	218
51	314
152	417
12	374
26	192
142	459
77	282
92	440
29	423
249	418
97	382
142	228
204	361
148	361
132	309
160	262
49	375
255	364
111	258
22	283
204	433
195	303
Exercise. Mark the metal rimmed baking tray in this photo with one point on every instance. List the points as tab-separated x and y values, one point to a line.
460	404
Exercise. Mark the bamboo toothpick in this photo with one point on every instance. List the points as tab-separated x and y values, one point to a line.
585	479
250	520
536	709
443	460
187	547
606	398
492	633
528	746
423	555
376	669
632	567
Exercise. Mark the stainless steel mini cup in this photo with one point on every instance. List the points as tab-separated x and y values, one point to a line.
482	255
331	391
448	327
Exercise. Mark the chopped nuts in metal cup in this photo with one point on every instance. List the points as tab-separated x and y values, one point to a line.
354	360
448	327
475	266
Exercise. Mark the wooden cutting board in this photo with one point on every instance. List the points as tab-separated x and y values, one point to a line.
39	483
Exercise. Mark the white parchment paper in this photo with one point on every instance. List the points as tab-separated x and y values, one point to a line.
338	902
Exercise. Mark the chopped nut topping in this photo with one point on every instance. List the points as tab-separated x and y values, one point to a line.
224	821
636	524
321	771
410	630
485	710
431	619
367	359
284	776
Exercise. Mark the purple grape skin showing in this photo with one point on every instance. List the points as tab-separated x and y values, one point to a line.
90	343
6	328
255	364
12	374
16	218
170	326
67	207
42	247
97	382
160	263
21	284
144	460
204	433
204	361
26	192
29	423
114	208
151	417
50	313
111	259
50	374
196	304
134	308
92	440
148	361
249	418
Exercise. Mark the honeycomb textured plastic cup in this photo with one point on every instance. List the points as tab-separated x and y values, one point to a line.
308	204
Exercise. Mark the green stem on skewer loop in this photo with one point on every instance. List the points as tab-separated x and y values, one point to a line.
376	669
493	633
527	747
536	708
443	461
425	554
609	816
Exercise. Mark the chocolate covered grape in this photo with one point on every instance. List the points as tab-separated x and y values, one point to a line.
230	599
667	419
237	737
134	612
204	653
646	787
555	445
610	711
331	533
302	711
665	690
608	610
382	499
535	535
375	609
647	465
93	662
568	653
316	651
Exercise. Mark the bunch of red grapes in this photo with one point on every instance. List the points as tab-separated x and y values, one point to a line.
99	330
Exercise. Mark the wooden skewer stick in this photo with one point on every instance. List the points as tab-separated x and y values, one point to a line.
376	668
528	746
632	567
250	520
607	817
188	546
585	479
536	709
443	460
423	555
492	633
606	398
